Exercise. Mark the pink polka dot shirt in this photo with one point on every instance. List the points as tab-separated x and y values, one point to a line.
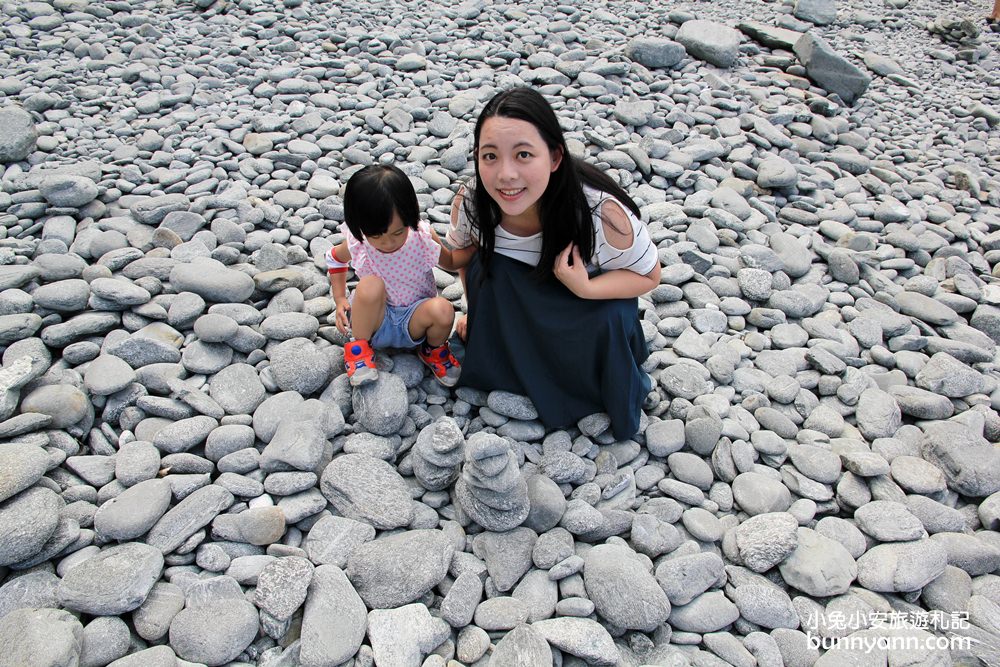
407	272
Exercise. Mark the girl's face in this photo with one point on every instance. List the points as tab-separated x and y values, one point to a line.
515	164
393	238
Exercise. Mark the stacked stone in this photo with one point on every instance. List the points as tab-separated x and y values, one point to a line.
492	490
187	477
438	454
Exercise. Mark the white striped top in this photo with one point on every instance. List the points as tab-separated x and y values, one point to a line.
639	258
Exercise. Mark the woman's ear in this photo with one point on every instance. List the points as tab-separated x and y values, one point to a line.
556	155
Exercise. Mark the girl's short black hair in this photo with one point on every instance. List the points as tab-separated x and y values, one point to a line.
372	195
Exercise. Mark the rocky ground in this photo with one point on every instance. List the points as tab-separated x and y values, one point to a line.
187	478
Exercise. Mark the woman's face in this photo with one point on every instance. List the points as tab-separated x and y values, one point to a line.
515	164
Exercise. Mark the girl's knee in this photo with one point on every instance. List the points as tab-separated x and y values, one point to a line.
370	289
441	310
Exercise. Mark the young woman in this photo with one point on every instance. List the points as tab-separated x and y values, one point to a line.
562	256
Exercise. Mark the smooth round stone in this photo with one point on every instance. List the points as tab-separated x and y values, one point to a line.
114	581
501	613
120	292
298	365
63	295
136	462
108	374
105	639
691	469
237	389
206	358
131	514
22	466
757	494
285	326
42	637
215	328
18	326
916	475
212	280
27	521
214	632
708	612
702	524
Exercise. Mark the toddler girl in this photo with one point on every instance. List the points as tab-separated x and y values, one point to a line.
395	303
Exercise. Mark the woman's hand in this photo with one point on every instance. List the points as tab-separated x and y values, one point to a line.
343	308
571	272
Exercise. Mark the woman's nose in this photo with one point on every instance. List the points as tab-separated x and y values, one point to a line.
507	169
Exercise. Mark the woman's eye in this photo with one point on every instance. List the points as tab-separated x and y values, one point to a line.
487	157
524	155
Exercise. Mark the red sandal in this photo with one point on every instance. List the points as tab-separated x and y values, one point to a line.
359	360
443	364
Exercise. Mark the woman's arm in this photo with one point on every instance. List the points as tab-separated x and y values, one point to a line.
453	259
617	284
571	270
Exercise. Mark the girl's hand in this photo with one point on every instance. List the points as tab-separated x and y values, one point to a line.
343	308
571	272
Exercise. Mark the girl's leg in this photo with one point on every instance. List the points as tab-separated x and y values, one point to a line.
433	318
368	307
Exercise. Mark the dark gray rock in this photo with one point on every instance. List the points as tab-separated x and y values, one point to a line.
710	41
134	511
367	489
614	577
970	464
112	582
27	521
654	52
396	570
22	466
831	70
188	517
40	638
331	602
17	134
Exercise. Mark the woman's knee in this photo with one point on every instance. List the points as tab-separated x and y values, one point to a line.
370	289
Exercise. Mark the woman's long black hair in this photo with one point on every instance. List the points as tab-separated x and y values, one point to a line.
565	215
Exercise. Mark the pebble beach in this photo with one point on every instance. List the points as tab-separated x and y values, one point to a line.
188	478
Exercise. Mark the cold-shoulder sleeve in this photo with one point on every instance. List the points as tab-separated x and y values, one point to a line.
640	257
460	232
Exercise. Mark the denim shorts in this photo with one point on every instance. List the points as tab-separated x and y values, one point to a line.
395	328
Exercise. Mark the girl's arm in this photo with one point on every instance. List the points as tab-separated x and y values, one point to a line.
338	283
571	270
